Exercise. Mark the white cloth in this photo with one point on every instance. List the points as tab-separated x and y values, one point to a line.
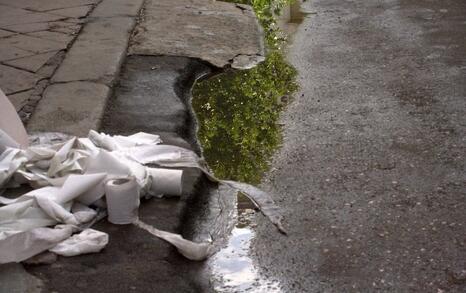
88	241
68	177
16	247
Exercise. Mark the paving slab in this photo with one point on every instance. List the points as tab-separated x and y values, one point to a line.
64	27
13	80
28	27
40	26
98	51
7	52
73	107
4	33
31	63
59	37
32	44
75	12
46	5
10	16
213	31
19	100
112	8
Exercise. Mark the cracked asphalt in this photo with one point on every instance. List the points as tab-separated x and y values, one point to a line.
371	176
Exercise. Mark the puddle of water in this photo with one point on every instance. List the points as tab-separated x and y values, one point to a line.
232	268
291	17
237	114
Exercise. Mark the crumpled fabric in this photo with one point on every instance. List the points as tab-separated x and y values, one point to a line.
16	247
69	177
88	241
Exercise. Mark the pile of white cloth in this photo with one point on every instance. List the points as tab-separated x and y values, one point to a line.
69	183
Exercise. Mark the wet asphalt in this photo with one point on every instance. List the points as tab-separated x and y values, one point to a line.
372	176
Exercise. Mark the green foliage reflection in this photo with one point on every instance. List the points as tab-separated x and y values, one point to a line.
238	112
266	11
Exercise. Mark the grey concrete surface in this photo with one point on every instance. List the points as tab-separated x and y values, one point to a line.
98	52
33	38
73	108
223	34
371	176
81	84
118	8
45	5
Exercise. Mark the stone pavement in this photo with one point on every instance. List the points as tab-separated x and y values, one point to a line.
60	59
33	38
223	34
76	99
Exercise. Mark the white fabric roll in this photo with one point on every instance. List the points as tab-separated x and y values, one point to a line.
122	200
165	181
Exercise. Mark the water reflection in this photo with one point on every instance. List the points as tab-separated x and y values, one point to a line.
232	267
291	17
237	113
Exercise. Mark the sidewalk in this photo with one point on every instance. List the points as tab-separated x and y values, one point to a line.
64	84
75	49
34	36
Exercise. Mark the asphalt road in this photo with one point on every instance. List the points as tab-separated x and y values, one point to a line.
371	176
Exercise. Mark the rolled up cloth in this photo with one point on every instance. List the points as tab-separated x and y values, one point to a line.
122	197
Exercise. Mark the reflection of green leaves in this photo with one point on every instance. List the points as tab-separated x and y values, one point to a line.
266	10
238	112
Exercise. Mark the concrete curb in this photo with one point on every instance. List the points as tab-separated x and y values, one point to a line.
220	33
76	99
83	82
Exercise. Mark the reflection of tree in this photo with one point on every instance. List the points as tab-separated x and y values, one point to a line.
266	11
238	111
238	115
